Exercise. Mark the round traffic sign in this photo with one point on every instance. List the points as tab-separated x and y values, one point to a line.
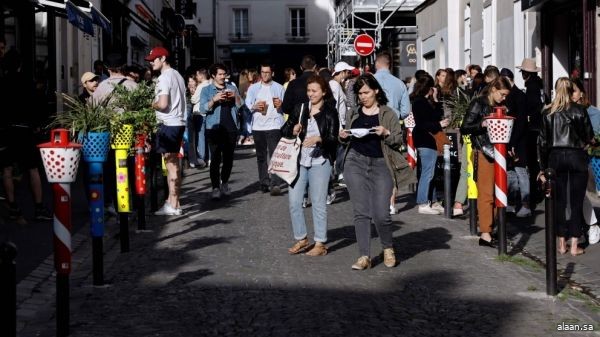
364	45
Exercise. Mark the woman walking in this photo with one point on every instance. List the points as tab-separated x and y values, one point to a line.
475	125
566	131
374	132
317	125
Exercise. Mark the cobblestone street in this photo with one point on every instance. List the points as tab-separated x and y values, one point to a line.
222	269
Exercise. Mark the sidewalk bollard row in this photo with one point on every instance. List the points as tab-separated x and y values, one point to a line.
8	289
61	159
499	128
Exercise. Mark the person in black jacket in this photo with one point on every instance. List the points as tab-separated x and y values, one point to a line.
475	125
296	90
316	123
518	177
565	131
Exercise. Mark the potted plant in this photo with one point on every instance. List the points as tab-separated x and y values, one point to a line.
458	104
136	105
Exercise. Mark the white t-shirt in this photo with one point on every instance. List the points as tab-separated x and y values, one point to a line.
272	120
340	99
171	83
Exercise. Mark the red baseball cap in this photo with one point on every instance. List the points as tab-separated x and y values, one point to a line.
156	52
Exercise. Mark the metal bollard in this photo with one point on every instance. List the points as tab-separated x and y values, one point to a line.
551	272
8	288
122	143
447	183
471	185
140	180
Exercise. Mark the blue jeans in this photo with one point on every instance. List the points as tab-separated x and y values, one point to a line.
201	147
518	180
427	158
318	176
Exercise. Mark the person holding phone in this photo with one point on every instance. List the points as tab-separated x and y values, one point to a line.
367	167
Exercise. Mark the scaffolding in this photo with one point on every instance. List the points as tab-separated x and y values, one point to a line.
354	17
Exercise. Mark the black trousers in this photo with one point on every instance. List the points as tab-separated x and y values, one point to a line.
571	166
265	143
221	143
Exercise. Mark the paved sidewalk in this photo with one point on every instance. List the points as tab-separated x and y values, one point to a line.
222	269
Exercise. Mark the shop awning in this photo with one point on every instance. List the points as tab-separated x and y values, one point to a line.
101	20
79	19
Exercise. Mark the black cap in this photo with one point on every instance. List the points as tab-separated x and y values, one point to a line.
506	72
114	60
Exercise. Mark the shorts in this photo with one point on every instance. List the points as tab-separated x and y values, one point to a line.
21	150
169	138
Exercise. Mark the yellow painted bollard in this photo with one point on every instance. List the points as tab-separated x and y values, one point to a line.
471	186
122	144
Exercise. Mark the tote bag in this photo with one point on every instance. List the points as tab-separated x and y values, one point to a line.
284	162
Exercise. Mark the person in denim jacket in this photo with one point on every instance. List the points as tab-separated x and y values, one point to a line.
221	101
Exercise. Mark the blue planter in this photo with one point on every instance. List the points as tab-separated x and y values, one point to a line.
96	146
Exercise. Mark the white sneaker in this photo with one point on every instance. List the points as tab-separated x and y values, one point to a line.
510	209
594	234
225	189
523	212
427	209
168	210
216	193
392	210
331	198
438	207
457	211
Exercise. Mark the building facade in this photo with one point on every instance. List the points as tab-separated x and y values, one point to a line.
560	35
278	31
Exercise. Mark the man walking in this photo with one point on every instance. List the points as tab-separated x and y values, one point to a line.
264	99
221	102
395	90
169	104
296	90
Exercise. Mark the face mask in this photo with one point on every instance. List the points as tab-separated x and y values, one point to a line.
359	133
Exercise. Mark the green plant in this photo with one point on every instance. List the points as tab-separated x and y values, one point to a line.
136	107
458	104
594	150
83	117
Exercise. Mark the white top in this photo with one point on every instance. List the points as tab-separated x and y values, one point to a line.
273	120
340	100
171	83
307	156
195	99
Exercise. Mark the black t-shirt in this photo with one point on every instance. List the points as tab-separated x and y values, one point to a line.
369	145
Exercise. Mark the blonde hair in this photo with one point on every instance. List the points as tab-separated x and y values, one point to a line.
564	91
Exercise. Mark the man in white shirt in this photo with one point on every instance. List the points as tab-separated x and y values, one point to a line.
170	104
340	73
264	99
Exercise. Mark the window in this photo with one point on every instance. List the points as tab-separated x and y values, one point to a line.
467	30
240	22
489	34
298	22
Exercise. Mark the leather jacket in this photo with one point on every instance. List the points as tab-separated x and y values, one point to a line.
471	125
327	121
570	128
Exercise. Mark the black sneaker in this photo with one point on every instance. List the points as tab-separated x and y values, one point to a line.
14	213
43	214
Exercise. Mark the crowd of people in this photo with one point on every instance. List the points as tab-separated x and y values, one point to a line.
350	123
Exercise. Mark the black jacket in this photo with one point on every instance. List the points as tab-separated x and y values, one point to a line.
427	122
569	128
516	104
471	125
328	122
296	93
535	100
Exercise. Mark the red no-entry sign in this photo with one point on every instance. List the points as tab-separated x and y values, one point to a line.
364	45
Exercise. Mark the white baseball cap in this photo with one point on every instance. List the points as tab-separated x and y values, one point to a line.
341	66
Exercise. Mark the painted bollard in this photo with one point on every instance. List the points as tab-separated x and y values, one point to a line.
471	185
411	156
95	152
61	160
121	144
140	179
499	129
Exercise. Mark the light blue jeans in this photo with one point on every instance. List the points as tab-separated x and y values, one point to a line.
427	158
518	180
317	179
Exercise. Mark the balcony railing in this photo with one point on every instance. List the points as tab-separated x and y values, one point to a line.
240	37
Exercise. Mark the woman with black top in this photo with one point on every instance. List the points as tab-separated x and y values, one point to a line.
374	132
317	124
566	130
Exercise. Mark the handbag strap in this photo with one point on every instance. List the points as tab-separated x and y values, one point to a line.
300	122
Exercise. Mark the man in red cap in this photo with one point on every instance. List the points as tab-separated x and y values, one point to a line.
169	104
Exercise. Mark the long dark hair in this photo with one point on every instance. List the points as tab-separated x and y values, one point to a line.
422	86
370	81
